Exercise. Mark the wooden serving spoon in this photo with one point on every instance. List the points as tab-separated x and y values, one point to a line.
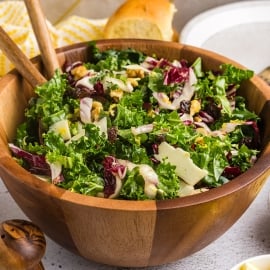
43	37
20	60
265	75
22	245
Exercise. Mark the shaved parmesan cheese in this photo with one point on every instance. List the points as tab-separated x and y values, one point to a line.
185	168
185	189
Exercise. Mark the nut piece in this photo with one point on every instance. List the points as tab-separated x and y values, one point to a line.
79	72
135	73
116	94
133	81
195	107
96	110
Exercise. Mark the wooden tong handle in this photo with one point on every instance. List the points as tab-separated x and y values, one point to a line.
20	60
43	37
265	75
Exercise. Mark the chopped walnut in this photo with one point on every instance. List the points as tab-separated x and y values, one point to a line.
79	72
112	109
116	94
135	73
195	107
197	119
133	82
200	140
96	109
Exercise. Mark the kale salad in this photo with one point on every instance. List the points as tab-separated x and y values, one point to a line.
131	126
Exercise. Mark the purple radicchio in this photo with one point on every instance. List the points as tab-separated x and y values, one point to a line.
114	172
37	163
176	75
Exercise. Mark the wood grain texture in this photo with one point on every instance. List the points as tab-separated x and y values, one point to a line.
43	37
125	232
22	245
19	59
129	233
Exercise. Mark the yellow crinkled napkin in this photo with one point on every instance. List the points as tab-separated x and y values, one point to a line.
15	21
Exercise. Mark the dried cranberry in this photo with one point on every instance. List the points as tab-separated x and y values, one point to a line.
99	89
231	172
213	110
112	134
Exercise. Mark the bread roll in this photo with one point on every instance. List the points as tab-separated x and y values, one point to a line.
150	19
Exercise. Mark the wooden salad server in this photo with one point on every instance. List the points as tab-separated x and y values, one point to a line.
43	37
22	63
265	75
22	245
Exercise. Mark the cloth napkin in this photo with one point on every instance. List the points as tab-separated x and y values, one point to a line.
15	21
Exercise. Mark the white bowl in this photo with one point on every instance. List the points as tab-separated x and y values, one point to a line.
261	262
244	37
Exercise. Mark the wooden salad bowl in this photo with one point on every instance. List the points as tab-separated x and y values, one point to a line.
130	233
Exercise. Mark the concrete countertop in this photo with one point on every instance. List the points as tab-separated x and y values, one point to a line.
248	237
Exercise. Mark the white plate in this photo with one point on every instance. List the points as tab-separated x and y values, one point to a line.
240	31
261	262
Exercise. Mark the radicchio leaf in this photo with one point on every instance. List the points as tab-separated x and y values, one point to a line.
176	75
112	169
37	163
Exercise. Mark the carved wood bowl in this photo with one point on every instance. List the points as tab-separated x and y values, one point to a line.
130	233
